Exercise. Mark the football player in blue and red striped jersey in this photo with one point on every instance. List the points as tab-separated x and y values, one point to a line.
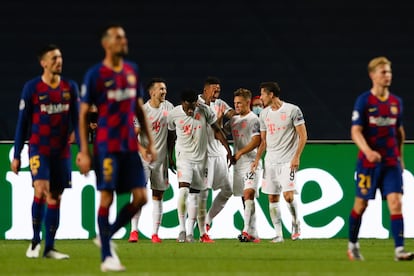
48	112
114	86
378	131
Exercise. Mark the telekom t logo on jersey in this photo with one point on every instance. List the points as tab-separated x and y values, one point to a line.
271	128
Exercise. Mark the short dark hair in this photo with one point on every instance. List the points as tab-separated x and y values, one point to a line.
211	80
153	81
271	86
47	48
189	95
104	31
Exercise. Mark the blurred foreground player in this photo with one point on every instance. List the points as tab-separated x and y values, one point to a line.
48	110
378	132
114	86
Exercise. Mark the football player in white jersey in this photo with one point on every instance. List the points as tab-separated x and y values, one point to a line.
189	121
244	127
283	133
157	109
218	156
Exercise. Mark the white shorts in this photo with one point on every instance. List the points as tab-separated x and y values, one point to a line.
217	173
278	178
157	173
244	179
191	172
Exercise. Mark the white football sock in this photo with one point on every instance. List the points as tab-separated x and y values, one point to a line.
202	210
156	215
135	221
293	208
182	206
275	216
248	211
192	212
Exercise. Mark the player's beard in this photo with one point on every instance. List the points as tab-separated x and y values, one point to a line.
57	72
122	53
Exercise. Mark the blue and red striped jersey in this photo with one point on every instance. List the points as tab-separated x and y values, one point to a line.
115	94
46	117
380	120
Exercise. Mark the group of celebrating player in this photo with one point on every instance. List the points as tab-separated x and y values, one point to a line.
196	132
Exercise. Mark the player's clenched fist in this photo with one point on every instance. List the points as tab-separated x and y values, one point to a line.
83	161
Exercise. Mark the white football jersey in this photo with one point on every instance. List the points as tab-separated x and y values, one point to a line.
243	129
157	120
191	132
281	136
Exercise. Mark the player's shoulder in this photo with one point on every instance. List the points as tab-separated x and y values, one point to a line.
31	85
94	69
289	105
252	116
364	96
168	105
34	81
70	82
395	98
265	111
131	65
219	101
176	110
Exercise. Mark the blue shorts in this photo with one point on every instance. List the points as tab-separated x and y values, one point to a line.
56	169
387	179
120	172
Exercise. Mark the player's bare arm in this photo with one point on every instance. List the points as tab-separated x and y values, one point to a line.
15	166
150	154
260	150
303	138
254	143
83	159
171	138
219	135
401	139
359	139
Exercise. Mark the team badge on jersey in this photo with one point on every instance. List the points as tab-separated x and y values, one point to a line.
394	110
66	95
131	79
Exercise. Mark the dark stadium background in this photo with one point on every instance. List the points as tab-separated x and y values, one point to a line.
316	50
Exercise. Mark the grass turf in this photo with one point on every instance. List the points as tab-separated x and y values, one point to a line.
224	257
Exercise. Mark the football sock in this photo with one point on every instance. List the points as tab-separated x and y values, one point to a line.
252	228
51	225
354	225
192	212
135	221
275	216
293	208
156	215
104	232
397	229
248	211
202	210
182	206
38	210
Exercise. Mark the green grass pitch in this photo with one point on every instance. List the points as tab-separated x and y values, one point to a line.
224	257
